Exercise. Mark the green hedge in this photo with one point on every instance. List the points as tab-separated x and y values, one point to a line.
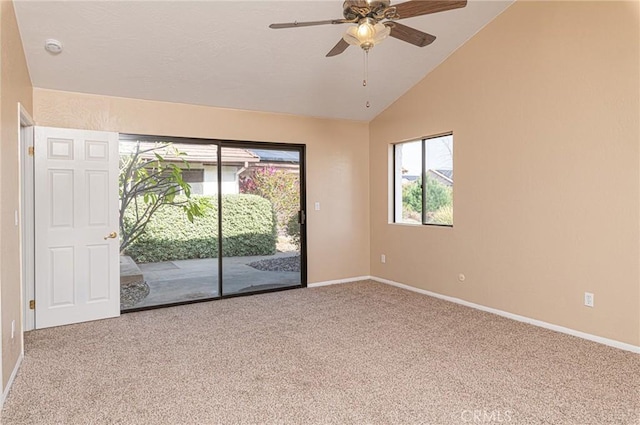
248	228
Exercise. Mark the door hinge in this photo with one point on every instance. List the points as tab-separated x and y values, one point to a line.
31	150
32	304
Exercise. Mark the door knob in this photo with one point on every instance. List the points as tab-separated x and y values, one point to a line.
111	235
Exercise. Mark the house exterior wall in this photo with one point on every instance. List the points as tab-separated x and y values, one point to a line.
15	86
230	184
209	184
544	108
337	160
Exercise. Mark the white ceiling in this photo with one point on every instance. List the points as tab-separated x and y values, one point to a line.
222	53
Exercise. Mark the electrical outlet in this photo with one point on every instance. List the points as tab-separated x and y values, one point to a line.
383	258
588	299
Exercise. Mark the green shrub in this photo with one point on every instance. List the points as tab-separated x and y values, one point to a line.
293	230
444	215
248	228
412	196
438	195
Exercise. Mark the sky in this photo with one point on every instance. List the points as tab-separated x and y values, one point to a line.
439	155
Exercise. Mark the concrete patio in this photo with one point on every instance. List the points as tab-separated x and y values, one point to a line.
186	280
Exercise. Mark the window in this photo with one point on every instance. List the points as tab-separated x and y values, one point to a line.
193	176
423	181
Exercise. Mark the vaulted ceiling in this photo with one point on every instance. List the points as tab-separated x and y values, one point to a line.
223	53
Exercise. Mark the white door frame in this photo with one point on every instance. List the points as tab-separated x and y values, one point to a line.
27	241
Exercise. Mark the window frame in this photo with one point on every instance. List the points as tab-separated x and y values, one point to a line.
423	176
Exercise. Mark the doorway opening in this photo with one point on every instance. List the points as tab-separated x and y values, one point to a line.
208	219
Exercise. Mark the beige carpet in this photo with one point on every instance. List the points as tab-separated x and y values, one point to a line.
362	353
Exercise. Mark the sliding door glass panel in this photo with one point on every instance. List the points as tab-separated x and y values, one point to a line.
168	222
261	209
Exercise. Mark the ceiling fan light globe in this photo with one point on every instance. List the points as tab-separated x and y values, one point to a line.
366	34
351	36
365	31
381	32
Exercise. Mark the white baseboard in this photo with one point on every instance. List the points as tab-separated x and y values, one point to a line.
524	319
539	323
334	282
5	393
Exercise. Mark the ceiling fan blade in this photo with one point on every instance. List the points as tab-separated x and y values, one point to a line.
410	35
296	24
338	48
409	9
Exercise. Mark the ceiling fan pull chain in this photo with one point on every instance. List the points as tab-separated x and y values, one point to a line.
366	68
365	82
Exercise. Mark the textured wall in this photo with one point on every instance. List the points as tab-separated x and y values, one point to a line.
543	104
337	160
15	86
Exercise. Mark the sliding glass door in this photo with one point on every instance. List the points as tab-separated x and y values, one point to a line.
205	219
262	225
168	221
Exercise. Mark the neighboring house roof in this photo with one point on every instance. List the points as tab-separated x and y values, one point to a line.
447	173
202	153
443	176
269	155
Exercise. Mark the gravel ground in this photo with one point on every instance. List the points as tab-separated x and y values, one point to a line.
285	264
130	295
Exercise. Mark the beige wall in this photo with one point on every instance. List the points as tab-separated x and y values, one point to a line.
544	108
337	160
15	86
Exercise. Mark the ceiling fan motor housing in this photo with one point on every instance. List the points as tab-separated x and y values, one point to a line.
354	10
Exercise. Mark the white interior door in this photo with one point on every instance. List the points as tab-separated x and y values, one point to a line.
77	276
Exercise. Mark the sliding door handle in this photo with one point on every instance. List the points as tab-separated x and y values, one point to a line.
302	218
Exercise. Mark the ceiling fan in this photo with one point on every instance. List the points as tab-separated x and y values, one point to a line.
375	21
